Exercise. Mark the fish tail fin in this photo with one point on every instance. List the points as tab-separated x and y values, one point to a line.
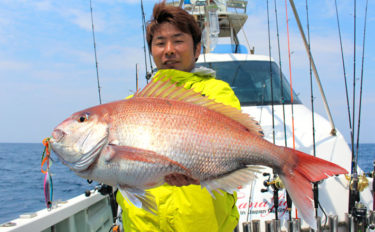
298	178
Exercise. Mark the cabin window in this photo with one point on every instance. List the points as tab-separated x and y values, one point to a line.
251	81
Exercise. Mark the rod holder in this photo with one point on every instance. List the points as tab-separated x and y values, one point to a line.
276	225
246	227
318	225
371	218
290	226
297	224
371	221
268	225
255	225
359	214
333	223
349	222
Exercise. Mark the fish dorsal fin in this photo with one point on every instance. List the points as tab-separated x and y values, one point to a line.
166	88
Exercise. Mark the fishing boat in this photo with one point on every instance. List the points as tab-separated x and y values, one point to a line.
267	96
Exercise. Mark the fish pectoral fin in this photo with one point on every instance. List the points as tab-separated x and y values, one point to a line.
231	181
140	198
113	152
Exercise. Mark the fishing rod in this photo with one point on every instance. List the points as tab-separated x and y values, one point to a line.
271	76
104	189
281	73
344	70
96	58
275	189
148	74
360	91
353	192
289	200
315	184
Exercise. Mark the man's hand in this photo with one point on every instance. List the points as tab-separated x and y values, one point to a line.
179	180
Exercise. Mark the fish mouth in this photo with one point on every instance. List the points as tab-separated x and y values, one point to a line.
87	159
57	135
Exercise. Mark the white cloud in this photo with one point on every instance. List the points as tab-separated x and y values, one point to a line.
43	5
8	65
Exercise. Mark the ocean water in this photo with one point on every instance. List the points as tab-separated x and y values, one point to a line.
21	181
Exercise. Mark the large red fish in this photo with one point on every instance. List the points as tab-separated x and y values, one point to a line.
165	129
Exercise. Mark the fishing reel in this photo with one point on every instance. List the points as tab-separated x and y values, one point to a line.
148	76
360	181
275	183
359	214
101	188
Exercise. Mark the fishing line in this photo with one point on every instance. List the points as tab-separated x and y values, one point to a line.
96	58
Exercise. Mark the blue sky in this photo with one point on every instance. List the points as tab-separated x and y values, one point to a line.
47	66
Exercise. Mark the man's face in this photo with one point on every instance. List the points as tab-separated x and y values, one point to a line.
173	49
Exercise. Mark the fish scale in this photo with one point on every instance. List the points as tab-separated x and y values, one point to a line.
177	127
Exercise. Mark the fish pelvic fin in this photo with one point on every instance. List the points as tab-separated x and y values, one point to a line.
140	198
298	180
163	87
230	182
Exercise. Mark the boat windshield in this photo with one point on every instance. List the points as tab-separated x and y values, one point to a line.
251	81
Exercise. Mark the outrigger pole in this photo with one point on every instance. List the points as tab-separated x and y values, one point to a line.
333	130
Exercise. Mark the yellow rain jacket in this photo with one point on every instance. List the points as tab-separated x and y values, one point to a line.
187	208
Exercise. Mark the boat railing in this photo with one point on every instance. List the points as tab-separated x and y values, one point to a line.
223	6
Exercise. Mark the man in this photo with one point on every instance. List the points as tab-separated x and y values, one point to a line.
173	38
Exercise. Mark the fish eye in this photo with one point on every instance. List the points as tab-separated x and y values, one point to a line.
83	117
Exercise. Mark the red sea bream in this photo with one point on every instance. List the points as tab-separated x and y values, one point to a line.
165	129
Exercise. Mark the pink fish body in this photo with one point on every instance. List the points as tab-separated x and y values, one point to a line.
164	129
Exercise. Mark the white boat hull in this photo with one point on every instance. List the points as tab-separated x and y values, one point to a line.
333	192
